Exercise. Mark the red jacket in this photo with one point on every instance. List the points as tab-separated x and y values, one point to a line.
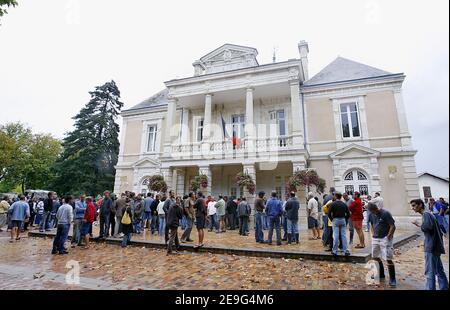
356	210
89	214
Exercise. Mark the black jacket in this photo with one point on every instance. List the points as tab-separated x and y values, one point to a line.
231	207
174	216
292	206
48	205
154	207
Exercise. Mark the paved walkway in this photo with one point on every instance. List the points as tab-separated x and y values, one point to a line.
28	264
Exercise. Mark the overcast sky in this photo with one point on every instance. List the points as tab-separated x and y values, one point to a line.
52	52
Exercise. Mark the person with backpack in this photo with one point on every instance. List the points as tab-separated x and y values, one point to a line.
138	210
243	211
292	206
127	224
433	247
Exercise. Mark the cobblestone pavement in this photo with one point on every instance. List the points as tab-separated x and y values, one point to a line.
28	264
232	239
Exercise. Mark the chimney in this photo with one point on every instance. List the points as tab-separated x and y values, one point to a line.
304	50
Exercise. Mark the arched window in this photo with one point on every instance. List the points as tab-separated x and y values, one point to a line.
356	180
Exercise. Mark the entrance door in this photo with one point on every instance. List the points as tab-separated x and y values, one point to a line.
356	180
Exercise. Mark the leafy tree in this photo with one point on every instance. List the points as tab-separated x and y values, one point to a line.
6	3
91	149
26	159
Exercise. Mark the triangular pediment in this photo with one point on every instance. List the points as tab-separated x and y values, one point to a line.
229	52
353	151
145	162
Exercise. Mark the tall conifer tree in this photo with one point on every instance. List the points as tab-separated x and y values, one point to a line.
92	148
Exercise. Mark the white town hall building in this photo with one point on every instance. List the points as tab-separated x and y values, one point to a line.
347	122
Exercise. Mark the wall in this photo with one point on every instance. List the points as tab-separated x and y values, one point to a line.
380	107
394	191
320	121
133	137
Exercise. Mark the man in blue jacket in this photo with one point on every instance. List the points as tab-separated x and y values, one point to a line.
80	207
274	211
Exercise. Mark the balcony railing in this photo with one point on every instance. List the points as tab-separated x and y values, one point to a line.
259	145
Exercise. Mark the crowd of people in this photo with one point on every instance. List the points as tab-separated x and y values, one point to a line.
162	214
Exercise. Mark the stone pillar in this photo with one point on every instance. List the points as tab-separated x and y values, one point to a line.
296	114
206	170
250	169
170	122
250	128
180	188
402	120
185	134
207	118
167	174
301	195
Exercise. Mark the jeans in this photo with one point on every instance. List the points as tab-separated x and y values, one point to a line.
339	227
274	222
45	221
259	234
146	218
162	224
284	223
112	223
243	225
183	222
187	232
265	222
173	239
351	229
231	221
118	226
325	229
53	222
292	227
154	224
137	226
77	223
61	237
446	223
104	225
126	239
433	269
213	222
38	219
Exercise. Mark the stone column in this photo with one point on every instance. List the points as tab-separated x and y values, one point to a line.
170	122
180	188
250	129
402	120
250	169
185	134
167	174
207	118
296	114
206	170
301	195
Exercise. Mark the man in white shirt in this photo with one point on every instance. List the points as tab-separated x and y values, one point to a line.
313	217
378	201
212	213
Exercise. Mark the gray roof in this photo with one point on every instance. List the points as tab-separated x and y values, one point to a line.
342	69
433	175
159	99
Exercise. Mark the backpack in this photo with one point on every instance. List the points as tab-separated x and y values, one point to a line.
126	220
